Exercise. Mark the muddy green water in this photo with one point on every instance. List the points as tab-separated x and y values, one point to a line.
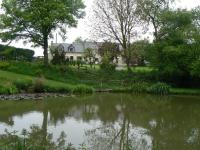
110	121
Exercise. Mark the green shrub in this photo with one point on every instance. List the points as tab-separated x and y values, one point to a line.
3	90
13	53
121	90
140	87
58	89
39	85
107	65
8	88
82	89
62	69
23	84
159	88
39	73
195	68
4	65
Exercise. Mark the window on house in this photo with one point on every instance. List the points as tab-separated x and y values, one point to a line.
79	58
71	58
96	60
71	48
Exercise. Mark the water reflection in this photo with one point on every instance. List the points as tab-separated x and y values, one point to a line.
110	121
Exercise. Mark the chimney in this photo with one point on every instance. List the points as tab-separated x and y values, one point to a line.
56	38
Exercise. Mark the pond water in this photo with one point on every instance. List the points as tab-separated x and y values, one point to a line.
109	121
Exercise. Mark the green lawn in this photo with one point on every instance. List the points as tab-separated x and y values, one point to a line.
67	78
142	69
71	75
185	91
8	80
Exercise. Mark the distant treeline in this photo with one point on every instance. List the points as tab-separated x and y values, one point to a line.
13	53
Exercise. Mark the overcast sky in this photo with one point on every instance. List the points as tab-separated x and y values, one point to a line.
82	28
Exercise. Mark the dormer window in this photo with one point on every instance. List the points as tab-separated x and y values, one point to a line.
71	48
60	47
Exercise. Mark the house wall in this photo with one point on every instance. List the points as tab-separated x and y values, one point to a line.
121	62
75	56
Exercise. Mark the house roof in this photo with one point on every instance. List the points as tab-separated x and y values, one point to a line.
77	47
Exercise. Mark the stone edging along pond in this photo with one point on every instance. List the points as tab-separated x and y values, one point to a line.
40	96
34	96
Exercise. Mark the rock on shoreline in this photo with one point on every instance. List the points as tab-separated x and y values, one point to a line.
35	96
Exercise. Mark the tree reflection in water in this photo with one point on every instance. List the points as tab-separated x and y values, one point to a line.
35	139
121	135
110	121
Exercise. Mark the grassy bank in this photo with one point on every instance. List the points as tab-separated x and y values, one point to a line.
12	83
96	78
185	91
17	77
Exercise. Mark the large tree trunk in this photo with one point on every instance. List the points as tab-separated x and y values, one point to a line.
46	59
128	58
128	63
44	127
126	54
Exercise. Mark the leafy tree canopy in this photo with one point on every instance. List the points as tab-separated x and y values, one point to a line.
35	20
12	53
175	51
110	49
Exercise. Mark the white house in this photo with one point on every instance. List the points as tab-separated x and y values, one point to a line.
75	51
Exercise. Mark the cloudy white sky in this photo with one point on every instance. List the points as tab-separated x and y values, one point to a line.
82	28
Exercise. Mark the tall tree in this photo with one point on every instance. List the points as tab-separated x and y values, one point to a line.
90	56
110	49
35	20
175	52
195	67
116	20
138	50
150	12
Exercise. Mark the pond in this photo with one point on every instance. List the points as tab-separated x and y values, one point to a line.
107	121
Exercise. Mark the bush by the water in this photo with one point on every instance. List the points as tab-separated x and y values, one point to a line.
140	87
23	84
159	88
38	85
82	89
8	88
58	89
4	65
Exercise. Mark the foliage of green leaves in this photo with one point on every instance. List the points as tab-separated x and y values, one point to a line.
23	84
195	67
82	89
106	65
176	50
139	87
58	55
12	53
138	51
35	20
90	56
159	89
7	88
111	50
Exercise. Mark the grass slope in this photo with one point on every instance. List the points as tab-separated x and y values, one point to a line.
15	76
9	78
69	78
